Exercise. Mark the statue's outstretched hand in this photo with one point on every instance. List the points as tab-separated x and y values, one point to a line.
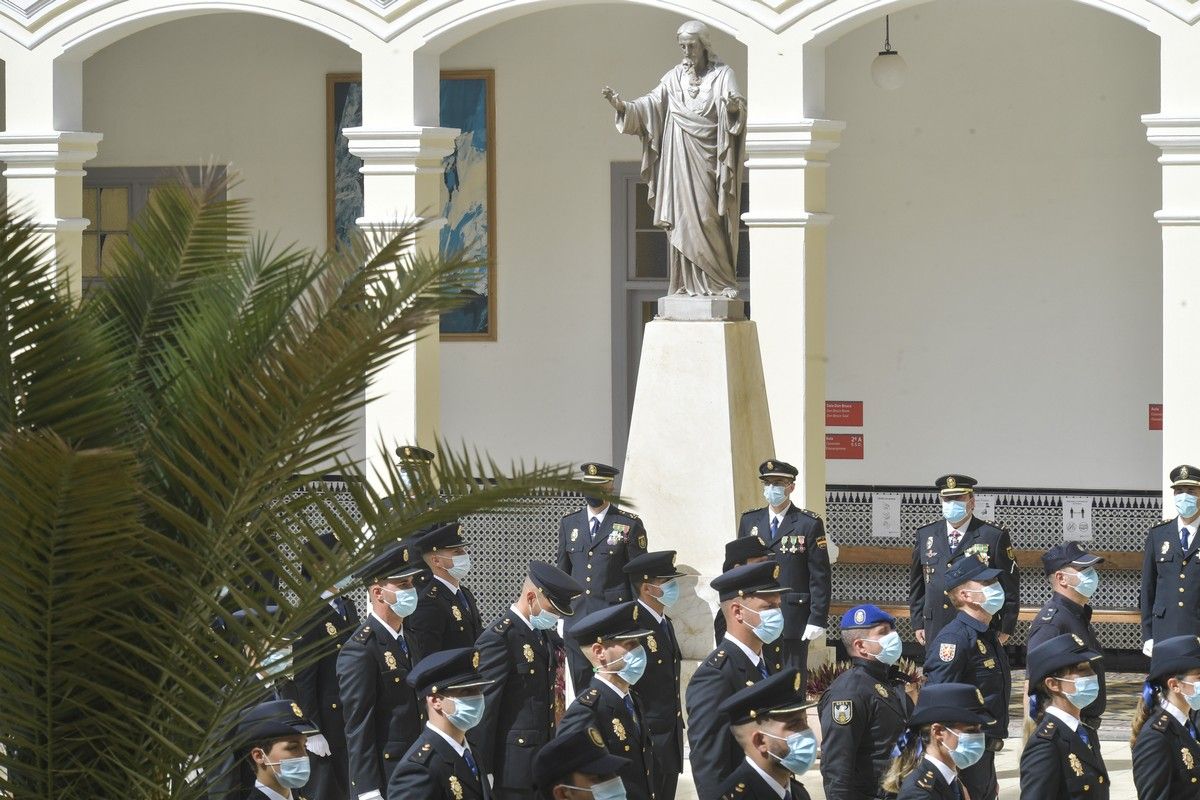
735	103
614	99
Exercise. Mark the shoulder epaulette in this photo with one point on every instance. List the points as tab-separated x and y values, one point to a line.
502	625
433	589
589	697
1048	613
422	754
1162	723
717	658
812	514
926	780
752	510
363	635
624	513
1046	730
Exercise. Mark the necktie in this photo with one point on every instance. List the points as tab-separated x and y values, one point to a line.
787	795
954	538
762	667
957	789
774	528
1183	539
1191	729
340	607
462	600
1082	730
595	527
403	645
632	713
471	762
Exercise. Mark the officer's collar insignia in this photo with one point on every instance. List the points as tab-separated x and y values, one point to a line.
595	736
951	483
296	710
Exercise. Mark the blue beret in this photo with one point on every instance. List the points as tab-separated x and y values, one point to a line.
866	616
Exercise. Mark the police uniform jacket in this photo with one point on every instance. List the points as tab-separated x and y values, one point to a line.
317	684
928	606
1170	584
258	794
1166	760
601	707
658	692
518	710
598	564
1056	763
862	715
233	777
802	551
968	651
772	652
382	713
926	782
443	620
745	783
433	770
1061	615
714	752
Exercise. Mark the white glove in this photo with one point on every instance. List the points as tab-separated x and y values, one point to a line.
1148	647
318	745
371	795
812	632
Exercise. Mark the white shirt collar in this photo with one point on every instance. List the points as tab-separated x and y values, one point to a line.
657	617
750	654
1068	720
774	784
449	585
592	514
611	685
1191	529
271	793
772	514
458	748
948	773
961	528
395	633
521	616
1179	716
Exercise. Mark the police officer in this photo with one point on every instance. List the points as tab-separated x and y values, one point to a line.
656	582
968	650
796	537
382	713
615	636
1166	755
272	735
578	765
521	654
316	686
594	545
1062	758
743	550
1170	569
749	598
440	763
938	544
862	712
770	724
415	464
1073	579
447	616
943	738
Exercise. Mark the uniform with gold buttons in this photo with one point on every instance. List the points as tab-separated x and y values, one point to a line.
1062	758
261	726
1170	593
447	616
773	707
602	705
1166	754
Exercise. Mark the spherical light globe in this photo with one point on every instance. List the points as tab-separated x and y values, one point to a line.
888	70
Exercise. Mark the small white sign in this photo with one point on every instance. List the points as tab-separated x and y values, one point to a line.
885	515
985	507
1077	519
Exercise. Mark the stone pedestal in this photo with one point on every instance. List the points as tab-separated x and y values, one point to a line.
693	309
700	428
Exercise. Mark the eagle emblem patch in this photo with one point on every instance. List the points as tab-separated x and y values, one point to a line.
843	711
947	651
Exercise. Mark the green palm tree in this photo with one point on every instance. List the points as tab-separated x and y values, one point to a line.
154	445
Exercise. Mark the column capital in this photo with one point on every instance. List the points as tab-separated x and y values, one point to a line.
792	145
401	151
47	154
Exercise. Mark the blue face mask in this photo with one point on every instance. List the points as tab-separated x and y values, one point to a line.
770	624
612	789
955	511
993	598
891	648
670	592
635	665
1089	581
1185	504
461	566
293	772
405	602
1193	699
969	749
802	751
467	712
1087	689
775	495
544	620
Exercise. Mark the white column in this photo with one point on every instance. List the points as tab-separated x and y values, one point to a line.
402	151
44	153
1176	131
786	159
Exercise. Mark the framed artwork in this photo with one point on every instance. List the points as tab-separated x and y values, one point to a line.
468	189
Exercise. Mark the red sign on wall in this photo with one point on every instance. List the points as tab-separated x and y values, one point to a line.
844	446
843	413
1155	416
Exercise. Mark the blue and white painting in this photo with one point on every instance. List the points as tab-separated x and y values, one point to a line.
465	193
